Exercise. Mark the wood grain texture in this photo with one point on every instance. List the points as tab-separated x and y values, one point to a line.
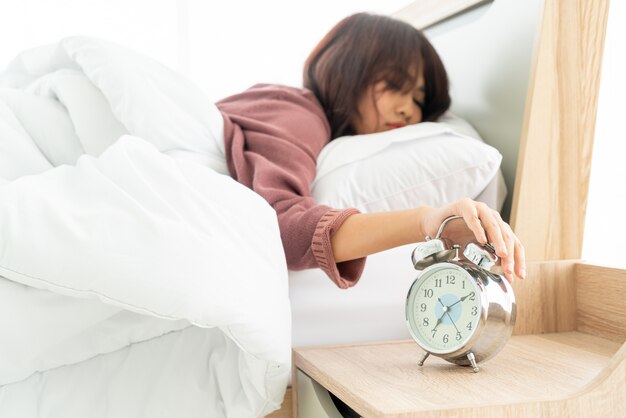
425	13
604	396
539	373
601	301
383	379
546	300
552	179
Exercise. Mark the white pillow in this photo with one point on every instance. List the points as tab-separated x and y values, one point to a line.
431	163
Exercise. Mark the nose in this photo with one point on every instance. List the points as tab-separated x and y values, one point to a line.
405	109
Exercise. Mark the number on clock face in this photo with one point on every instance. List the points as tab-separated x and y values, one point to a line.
444	309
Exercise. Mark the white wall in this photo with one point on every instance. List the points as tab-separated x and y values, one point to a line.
224	46
605	227
236	44
148	26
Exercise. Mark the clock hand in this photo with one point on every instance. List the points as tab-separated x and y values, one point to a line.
460	300
439	321
457	330
445	310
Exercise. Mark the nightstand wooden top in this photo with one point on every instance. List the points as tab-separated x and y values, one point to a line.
384	380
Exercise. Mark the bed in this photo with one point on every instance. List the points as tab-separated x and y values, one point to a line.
106	153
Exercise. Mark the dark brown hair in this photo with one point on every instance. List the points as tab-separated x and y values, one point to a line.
363	49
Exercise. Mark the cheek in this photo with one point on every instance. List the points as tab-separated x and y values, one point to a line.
417	116
384	104
372	116
379	113
367	120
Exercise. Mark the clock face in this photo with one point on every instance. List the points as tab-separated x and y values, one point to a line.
443	308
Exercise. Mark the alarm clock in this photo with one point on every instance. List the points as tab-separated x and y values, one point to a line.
456	308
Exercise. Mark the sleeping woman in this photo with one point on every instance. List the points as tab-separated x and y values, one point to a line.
369	74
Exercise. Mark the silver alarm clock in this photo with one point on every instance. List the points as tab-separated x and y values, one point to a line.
458	309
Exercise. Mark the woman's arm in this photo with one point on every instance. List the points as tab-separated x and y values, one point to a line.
368	233
363	234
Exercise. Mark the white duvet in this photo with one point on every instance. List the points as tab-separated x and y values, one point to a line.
113	230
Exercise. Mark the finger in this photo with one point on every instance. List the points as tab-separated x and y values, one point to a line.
508	236
520	260
472	220
509	277
494	232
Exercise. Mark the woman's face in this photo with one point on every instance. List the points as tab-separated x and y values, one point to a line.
383	108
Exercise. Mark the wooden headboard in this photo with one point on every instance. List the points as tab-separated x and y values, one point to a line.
526	75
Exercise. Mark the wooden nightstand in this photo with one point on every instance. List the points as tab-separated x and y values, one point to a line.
576	371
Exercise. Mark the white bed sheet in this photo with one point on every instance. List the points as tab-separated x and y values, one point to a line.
373	310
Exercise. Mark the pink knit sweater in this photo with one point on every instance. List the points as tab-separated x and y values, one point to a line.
273	135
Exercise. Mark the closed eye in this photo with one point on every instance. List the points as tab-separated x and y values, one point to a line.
419	103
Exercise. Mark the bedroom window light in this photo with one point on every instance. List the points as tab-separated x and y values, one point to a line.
605	224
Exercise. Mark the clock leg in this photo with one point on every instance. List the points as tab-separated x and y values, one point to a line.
423	359
472	360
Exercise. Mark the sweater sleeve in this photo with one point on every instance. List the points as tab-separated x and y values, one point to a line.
272	139
347	273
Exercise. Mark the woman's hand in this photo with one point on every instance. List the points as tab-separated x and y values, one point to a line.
484	225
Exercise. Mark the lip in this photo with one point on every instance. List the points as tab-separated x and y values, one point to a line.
396	125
